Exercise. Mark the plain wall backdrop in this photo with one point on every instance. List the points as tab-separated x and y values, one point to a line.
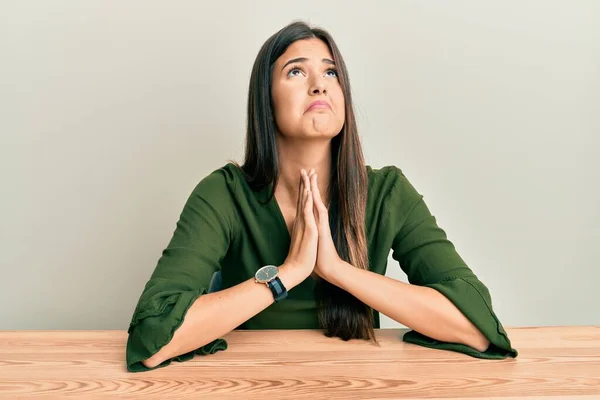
112	111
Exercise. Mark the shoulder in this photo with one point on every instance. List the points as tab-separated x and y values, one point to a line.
218	182
215	191
220	178
385	179
383	175
390	184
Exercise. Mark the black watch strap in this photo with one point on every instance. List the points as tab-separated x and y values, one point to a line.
279	291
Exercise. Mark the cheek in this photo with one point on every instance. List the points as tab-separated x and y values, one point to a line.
286	104
340	104
287	114
342	114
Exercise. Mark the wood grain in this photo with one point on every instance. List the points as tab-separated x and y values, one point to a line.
553	362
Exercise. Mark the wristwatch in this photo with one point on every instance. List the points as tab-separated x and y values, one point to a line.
268	275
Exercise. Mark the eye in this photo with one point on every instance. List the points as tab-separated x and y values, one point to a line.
292	70
295	68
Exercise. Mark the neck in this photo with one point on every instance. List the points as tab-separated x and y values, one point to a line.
295	154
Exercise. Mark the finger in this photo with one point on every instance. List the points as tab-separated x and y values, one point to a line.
300	193
314	190
307	199
307	234
316	193
298	206
298	227
302	200
318	200
323	217
306	186
306	180
309	217
305	214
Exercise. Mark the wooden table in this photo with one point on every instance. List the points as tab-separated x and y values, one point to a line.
553	362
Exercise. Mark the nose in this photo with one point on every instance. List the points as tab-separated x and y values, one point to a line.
318	86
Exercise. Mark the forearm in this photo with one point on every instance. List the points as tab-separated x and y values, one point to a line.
213	315
421	308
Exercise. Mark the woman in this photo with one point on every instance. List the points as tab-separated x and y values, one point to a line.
301	233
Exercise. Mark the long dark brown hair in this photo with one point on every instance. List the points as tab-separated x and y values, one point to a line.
340	313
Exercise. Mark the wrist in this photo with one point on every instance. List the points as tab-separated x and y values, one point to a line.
336	272
290	276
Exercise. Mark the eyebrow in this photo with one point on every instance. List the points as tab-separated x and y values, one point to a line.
303	59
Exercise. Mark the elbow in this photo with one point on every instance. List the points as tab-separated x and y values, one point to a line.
478	341
149	363
483	346
152	362
473	338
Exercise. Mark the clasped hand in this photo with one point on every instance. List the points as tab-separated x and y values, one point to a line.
327	256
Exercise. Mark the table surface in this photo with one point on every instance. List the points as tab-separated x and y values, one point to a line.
553	362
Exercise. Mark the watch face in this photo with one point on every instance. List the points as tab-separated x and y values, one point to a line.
267	273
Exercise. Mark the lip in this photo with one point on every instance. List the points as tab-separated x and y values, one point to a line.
318	104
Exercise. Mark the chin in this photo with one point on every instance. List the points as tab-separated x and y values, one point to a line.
309	133
315	134
329	132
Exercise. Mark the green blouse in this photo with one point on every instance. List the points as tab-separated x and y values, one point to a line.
223	227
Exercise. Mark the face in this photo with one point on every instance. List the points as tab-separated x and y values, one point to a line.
299	83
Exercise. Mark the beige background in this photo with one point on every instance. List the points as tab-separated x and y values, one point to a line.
112	111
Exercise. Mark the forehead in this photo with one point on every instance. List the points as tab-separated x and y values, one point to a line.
310	48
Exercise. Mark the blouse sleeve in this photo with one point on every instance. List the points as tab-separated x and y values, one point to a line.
183	273
429	259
